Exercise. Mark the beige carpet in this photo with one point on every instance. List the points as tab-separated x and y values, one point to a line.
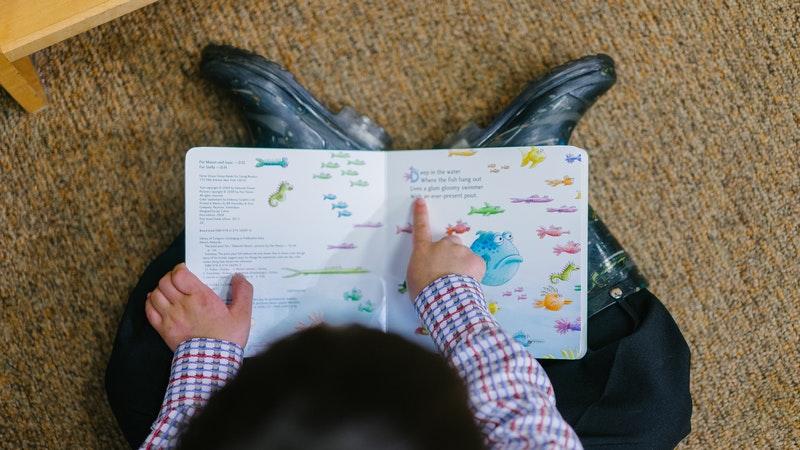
695	169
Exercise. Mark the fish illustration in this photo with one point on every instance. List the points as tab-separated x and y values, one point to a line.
563	209
422	331
562	326
353	295
461	153
505	167
342	246
328	196
366	307
408	228
570	247
522	338
349	172
566	181
578	195
459	228
534	157
552	300
570	158
340	155
326	271
355	162
519	289
494	307
550	231
532	199
501	256
486	210
360	183
564	274
494	170
507	294
343	213
283	162
368	225
280	194
522	297
412	176
322	176
340	205
402	287
330	165
491	166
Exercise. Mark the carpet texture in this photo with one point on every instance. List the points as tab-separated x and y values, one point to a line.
694	168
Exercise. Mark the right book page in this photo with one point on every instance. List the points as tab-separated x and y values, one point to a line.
524	210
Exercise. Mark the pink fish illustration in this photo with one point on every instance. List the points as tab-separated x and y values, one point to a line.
507	294
518	289
563	209
550	231
570	247
406	229
532	199
368	225
562	326
342	246
459	228
522	297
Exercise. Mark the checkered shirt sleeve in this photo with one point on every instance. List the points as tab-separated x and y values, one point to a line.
199	368
510	395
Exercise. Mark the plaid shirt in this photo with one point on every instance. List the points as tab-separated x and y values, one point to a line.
510	394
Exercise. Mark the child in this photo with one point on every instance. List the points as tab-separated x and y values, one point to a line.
352	388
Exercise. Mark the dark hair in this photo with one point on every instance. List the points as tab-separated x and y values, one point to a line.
339	388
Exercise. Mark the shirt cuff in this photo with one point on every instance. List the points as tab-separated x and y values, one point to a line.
200	367
453	308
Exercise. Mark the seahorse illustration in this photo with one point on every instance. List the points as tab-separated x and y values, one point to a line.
280	194
564	274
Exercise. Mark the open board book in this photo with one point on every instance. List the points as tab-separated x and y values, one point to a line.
325	236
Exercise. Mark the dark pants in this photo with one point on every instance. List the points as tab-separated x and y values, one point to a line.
631	390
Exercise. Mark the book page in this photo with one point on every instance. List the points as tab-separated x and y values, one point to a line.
302	225
524	210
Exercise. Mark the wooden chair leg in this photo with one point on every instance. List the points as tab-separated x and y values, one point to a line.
19	78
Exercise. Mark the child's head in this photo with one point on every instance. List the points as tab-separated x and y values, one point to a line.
349	388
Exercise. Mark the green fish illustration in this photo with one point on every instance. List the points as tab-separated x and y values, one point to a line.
486	210
349	172
340	155
361	183
330	165
322	175
328	271
355	162
283	162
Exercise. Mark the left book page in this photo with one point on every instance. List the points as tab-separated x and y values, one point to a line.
290	220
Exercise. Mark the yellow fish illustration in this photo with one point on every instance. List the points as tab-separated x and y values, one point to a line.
578	195
566	181
552	301
461	153
534	156
493	308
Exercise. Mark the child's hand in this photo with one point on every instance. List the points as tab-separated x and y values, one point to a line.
182	308
431	260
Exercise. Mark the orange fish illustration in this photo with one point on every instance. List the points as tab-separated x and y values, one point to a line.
552	301
566	181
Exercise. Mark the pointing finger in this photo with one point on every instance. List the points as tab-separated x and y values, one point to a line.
454	239
422	228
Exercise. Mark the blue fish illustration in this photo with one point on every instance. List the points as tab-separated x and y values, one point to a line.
522	338
344	213
570	158
501	256
339	205
329	196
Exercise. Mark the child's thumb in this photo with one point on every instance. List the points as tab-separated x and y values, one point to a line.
241	296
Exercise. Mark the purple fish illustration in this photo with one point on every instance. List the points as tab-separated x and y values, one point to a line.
522	297
532	199
519	289
563	209
563	326
408	228
570	158
368	225
507	294
342	246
